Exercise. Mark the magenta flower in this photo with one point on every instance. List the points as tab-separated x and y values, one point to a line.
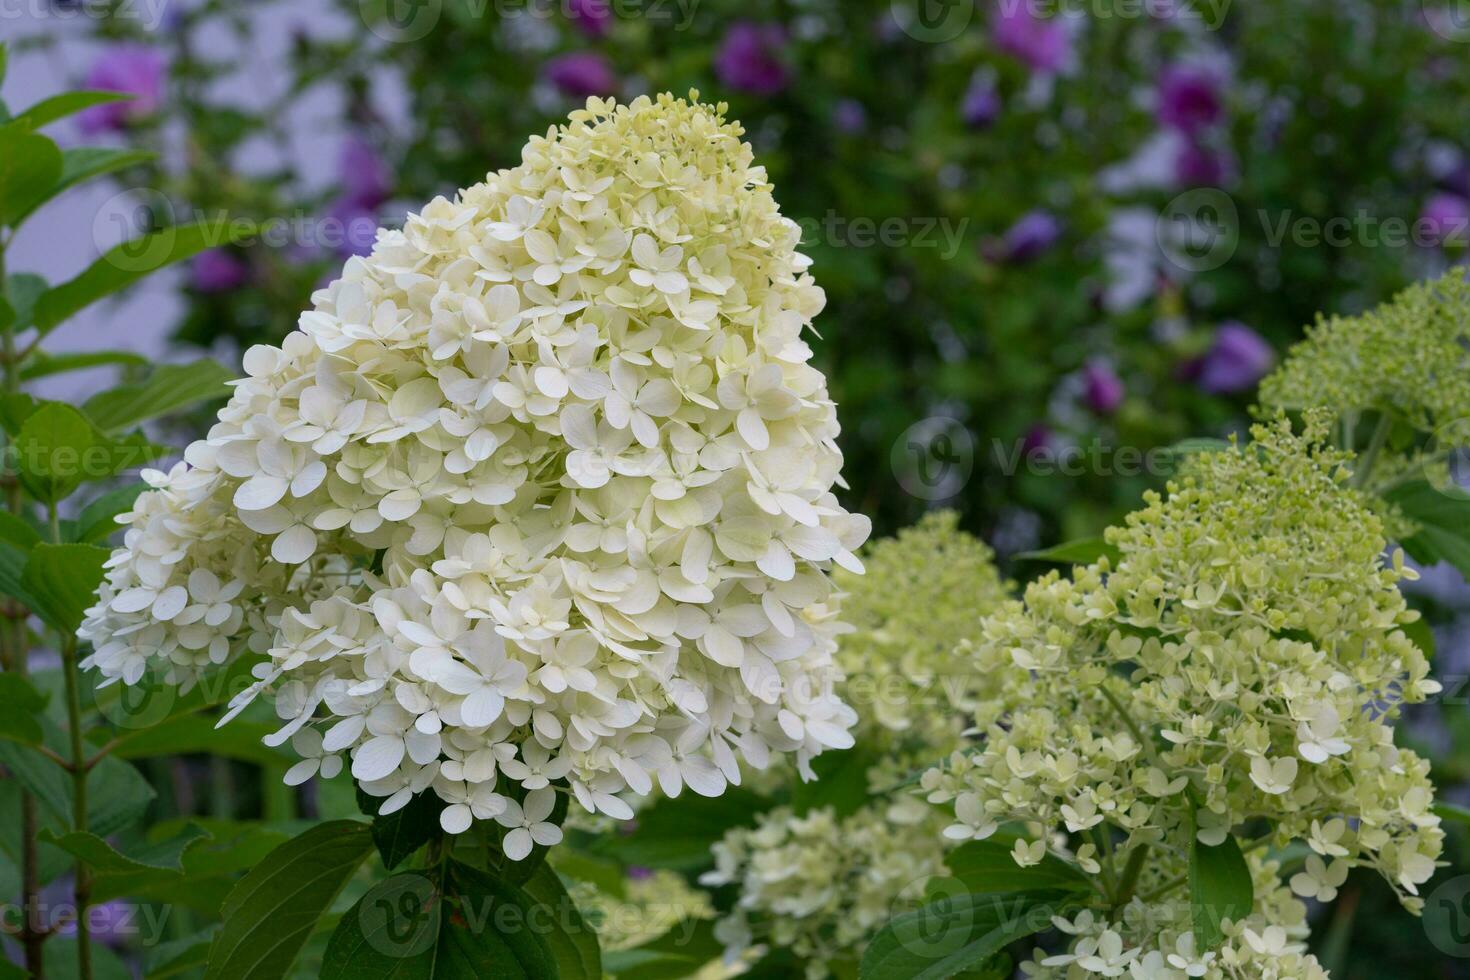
750	58
1200	165
1102	389
1446	220
581	74
1030	237
1189	99
366	180
131	68
981	105
1238	358
1042	43
592	17
218	270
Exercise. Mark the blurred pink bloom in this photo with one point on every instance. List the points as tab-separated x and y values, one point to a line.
218	270
592	17
1446	218
1189	99
366	180
132	68
1237	359
1198	164
581	74
1102	388
750	58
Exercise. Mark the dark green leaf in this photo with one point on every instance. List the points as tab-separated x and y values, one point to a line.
987	866
1443	516
54	450
178	955
62	580
21	292
955	933
841	783
15	531
240	739
20	703
573	943
680	952
399	834
125	264
104	859
170	387
41	364
272	910
30	165
1083	551
12	567
1219	888
676	834
117	794
1453	811
412	927
67	103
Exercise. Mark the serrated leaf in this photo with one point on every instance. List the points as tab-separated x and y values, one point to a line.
56	107
956	933
125	264
170	387
41	364
572	942
61	580
1083	551
399	834
271	912
462	926
1219	888
117	794
104	859
30	165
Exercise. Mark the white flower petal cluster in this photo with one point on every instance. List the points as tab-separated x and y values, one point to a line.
1244	660
539	490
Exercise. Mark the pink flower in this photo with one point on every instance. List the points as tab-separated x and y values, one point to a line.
750	58
132	68
1043	43
1189	99
1446	218
1102	388
581	74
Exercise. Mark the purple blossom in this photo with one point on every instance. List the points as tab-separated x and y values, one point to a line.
1238	358
750	58
132	68
581	74
1043	43
1189	99
218	270
1200	165
366	180
849	116
351	228
1038	440
1102	389
592	17
981	105
1030	237
1446	220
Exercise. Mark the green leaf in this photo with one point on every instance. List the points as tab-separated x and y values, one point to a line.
399	834
117	794
1443	516
841	783
271	912
85	162
1452	811
1422	634
573	943
41	364
463	926
14	410
67	103
125	264
240	739
61	580
96	521
104	859
61	961
170	387
1174	456
1083	551
680	952
15	531
955	933
30	165
1219	888
178	955
20	703
53	451
12	567
21	292
987	866
604	874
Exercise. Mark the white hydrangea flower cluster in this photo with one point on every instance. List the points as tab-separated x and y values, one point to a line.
540	490
820	884
1244	661
1155	940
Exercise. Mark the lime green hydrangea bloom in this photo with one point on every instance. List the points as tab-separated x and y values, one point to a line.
820	884
1238	666
648	907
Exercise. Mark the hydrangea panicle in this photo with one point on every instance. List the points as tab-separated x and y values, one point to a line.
539	490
